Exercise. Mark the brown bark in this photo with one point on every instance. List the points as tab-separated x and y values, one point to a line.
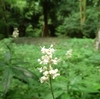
45	31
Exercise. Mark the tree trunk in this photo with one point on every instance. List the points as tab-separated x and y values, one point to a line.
5	18
82	5
97	38
45	32
22	28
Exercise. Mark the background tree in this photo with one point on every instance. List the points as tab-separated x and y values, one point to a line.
49	10
82	5
4	17
97	39
36	18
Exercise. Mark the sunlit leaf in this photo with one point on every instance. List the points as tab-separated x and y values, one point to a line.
65	96
6	79
23	74
62	85
7	56
57	93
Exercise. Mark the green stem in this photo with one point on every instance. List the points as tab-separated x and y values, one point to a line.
68	79
51	87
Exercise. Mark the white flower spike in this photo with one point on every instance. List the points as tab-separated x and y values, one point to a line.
69	53
15	33
47	60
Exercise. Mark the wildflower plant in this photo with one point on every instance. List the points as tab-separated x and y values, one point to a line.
10	68
15	33
68	57
69	53
47	70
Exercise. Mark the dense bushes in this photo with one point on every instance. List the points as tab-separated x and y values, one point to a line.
71	25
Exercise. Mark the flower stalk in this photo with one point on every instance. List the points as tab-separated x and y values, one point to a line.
48	72
51	87
68	56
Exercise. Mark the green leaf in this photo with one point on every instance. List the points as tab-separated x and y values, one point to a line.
23	74
7	56
6	79
2	65
75	81
95	58
57	93
65	96
48	96
62	85
90	87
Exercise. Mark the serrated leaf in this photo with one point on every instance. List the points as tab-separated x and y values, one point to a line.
6	79
22	73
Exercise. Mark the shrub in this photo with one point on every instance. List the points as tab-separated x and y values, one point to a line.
71	25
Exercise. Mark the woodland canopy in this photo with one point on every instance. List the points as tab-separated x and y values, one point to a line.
36	18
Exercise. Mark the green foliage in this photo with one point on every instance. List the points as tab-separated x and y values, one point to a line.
79	75
30	32
63	15
71	25
9	68
90	26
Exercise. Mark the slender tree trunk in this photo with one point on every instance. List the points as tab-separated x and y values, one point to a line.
82	5
4	17
22	28
45	32
97	38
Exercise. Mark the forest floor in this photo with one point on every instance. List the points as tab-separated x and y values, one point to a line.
38	41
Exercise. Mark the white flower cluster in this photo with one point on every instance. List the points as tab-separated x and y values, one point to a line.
47	59
47	56
69	54
15	33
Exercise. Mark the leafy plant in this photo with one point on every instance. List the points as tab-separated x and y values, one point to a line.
79	74
71	26
10	69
